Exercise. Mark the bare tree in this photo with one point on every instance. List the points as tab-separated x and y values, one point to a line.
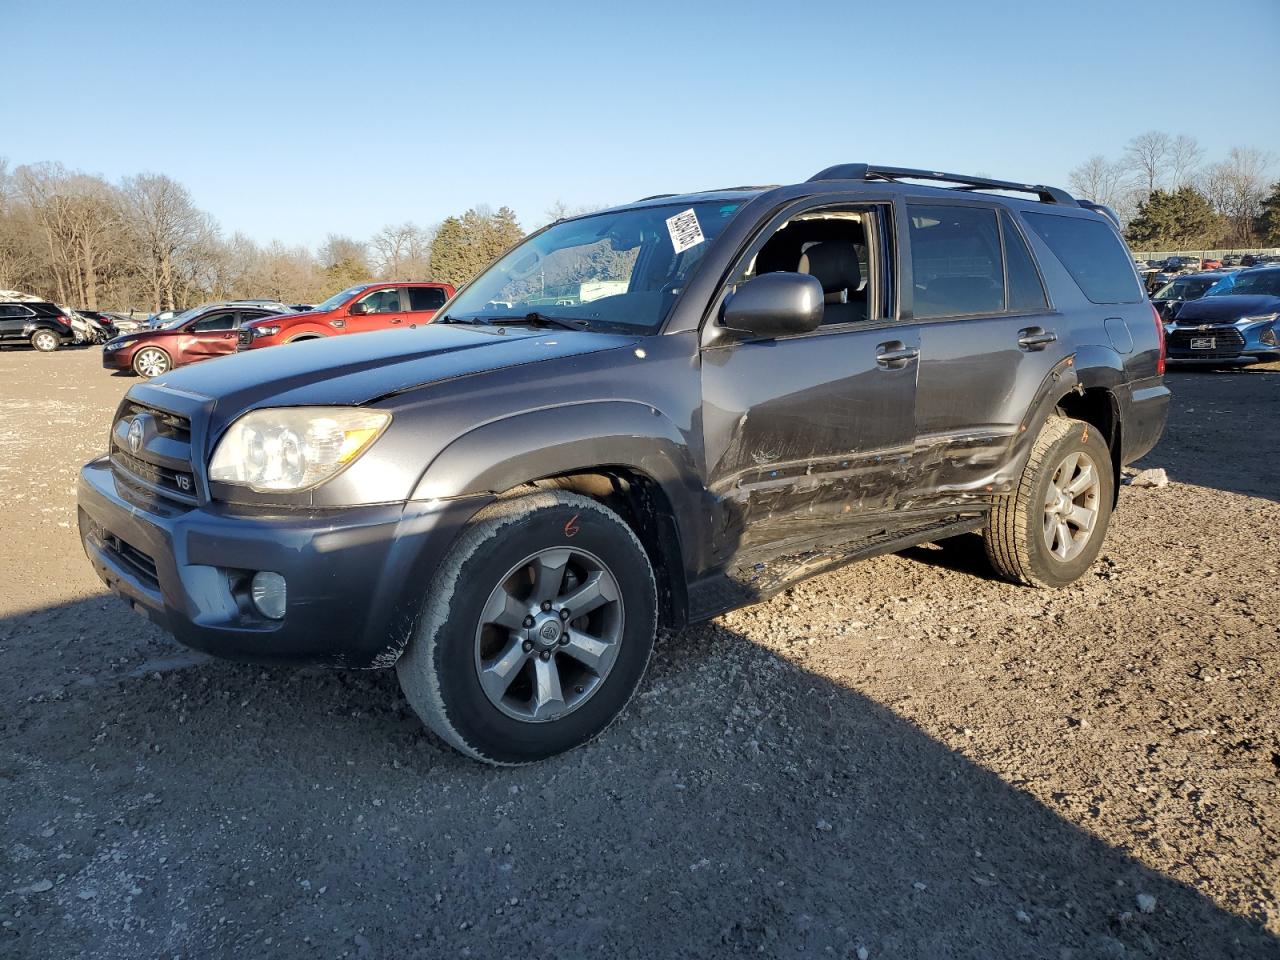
1236	187
1100	180
1185	156
1147	155
167	229
402	252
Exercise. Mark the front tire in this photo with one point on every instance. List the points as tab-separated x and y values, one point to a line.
536	630
1048	531
151	362
46	341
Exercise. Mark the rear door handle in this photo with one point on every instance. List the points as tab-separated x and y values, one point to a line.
895	353
1035	338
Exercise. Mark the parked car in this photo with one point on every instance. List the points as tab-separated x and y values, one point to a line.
125	323
102	327
200	333
1169	298
1231	325
1232	260
1210	263
733	393
359	309
38	323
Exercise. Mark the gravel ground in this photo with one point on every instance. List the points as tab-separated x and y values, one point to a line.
902	759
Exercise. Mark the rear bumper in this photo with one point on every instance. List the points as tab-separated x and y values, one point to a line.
355	577
1143	420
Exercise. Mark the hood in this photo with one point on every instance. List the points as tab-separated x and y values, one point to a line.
358	369
1227	308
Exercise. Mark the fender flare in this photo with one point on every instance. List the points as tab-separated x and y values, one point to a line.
1091	367
306	330
585	436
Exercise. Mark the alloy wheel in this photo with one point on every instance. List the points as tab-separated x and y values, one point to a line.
46	342
549	634
151	363
1071	504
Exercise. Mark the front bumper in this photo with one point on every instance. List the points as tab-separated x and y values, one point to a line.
356	576
1224	344
117	359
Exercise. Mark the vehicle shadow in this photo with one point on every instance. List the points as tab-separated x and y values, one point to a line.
1216	431
156	802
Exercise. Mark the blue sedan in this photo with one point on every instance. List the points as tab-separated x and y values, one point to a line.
1233	323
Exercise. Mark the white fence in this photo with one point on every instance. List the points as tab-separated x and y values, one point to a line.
1202	254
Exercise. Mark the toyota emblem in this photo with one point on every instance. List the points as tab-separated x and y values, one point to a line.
135	435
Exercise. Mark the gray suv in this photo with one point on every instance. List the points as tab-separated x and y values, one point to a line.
635	419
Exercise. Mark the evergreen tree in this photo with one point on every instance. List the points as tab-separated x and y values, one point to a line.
1180	218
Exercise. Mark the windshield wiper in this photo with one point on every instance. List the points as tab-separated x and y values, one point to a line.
547	320
482	321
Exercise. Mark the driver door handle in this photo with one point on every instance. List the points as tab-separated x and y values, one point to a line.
895	352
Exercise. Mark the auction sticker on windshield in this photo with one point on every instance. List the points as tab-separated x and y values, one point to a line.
685	230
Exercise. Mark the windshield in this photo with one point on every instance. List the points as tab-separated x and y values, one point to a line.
1187	288
338	298
1265	282
619	270
181	318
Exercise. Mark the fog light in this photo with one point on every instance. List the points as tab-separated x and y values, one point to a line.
268	593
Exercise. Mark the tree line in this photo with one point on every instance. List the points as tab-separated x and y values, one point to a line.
142	243
1169	196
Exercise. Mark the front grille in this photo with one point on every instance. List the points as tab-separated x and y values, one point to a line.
167	424
1227	342
177	484
166	469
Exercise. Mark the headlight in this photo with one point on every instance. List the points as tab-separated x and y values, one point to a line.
265	331
294	448
1261	318
121	345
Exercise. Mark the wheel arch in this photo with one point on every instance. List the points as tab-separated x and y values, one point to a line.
1084	386
624	454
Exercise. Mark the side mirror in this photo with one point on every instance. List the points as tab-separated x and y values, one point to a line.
774	305
357	310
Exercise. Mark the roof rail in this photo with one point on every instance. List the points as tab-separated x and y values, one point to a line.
866	171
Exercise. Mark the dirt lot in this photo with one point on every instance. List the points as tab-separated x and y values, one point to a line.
901	759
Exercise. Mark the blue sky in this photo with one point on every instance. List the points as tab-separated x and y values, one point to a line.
292	120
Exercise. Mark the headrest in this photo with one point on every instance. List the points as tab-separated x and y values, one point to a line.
834	263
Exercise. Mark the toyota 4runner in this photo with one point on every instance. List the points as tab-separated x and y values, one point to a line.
635	419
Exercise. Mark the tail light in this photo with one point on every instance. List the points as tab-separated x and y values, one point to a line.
1160	339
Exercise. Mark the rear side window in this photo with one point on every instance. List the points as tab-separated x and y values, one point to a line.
426	298
1026	292
955	261
8	310
1092	253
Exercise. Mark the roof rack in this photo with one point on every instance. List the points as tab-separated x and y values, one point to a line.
866	171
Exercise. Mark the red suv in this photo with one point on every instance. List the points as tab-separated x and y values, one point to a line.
359	309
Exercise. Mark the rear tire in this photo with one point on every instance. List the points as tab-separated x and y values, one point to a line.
502	676
151	362
1048	531
46	341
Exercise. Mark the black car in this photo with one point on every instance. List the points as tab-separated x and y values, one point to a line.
636	418
37	323
1169	298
